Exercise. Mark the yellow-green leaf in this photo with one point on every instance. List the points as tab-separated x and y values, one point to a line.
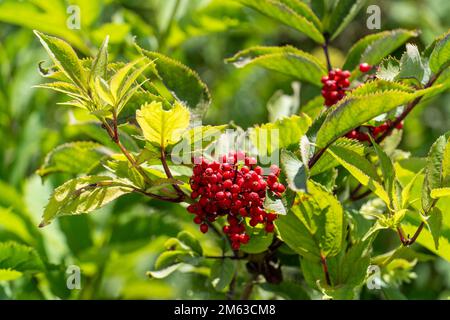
163	127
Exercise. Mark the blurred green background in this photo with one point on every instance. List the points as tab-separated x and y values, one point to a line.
116	245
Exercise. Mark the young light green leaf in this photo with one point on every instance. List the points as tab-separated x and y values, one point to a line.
287	60
74	158
342	14
163	127
100	63
222	272
361	169
374	47
440	56
64	57
440	193
292	13
82	195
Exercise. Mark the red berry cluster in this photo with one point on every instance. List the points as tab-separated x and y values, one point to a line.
236	188
334	86
374	131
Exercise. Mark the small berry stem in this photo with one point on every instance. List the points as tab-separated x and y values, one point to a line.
325	51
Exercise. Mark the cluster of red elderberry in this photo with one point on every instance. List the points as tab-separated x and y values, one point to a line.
334	86
236	188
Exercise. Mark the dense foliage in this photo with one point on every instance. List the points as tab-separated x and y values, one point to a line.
157	182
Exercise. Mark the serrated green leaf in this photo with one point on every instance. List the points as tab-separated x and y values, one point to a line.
343	13
440	56
388	69
287	60
314	226
327	161
292	13
355	110
374	47
222	272
361	169
74	158
64	57
163	127
82	195
182	81
20	258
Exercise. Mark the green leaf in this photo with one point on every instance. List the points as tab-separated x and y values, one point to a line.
361	169
189	240
74	158
374	47
314	226
274	204
17	258
440	192
64	57
9	275
342	14
163	127
433	171
357	108
289	12
281	134
295	171
327	161
287	60
260	240
387	169
222	272
182	81
434	224
100	63
11	222
388	69
411	66
440	56
82	195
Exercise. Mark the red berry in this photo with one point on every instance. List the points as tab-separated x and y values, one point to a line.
270	227
364	67
204	227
